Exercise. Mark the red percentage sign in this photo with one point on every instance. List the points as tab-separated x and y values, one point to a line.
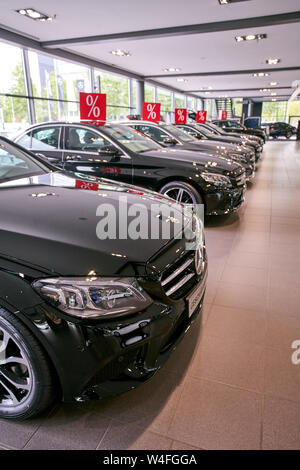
151	111
95	110
180	115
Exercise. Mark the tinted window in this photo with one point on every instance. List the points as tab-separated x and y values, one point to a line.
45	138
154	132
25	140
16	164
85	140
131	139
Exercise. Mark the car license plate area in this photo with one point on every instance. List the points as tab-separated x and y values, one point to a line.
194	298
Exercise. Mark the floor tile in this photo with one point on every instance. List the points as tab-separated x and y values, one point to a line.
281	426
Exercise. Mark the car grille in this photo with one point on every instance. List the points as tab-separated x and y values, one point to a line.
178	279
239	180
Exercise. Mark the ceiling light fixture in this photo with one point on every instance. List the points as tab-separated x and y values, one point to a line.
250	37
273	83
184	80
263	90
261	74
274	99
120	53
35	15
171	69
225	2
273	94
272	61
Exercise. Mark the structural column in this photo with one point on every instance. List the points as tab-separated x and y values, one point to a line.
140	95
28	86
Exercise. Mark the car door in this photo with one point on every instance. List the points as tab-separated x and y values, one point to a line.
90	152
45	141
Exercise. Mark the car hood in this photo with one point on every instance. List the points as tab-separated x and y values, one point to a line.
204	161
48	223
214	146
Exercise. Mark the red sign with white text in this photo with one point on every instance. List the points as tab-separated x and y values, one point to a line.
92	107
86	185
180	115
201	116
151	112
222	115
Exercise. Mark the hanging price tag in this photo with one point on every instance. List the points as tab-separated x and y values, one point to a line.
151	112
180	115
222	114
92	107
201	116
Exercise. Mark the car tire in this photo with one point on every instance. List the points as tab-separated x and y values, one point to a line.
288	134
182	192
27	382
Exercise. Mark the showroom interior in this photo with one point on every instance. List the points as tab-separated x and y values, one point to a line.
231	380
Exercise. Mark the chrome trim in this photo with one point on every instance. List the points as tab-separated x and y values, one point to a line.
179	284
177	272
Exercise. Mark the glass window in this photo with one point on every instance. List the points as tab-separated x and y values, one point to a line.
13	115
12	71
154	132
131	139
164	97
179	134
274	111
85	140
16	164
116	89
179	101
191	103
46	138
58	79
149	93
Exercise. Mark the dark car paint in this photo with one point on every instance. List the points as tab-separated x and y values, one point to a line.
153	169
241	129
53	235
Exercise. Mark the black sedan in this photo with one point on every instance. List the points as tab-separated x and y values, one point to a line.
230	125
281	129
119	152
250	140
84	317
247	155
169	135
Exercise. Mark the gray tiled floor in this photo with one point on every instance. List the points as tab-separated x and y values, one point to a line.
231	383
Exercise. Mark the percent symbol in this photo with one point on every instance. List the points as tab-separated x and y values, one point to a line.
95	110
151	111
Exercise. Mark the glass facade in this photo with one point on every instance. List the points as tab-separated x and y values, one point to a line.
52	91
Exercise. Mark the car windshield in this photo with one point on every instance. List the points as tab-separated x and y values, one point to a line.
204	131
16	164
216	129
131	139
179	134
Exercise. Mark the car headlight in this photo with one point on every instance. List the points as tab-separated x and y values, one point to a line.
217	180
94	297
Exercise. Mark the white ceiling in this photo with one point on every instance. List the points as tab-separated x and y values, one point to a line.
210	52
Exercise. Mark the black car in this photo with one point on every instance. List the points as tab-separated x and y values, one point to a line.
169	135
249	140
247	155
230	125
281	129
119	152
81	317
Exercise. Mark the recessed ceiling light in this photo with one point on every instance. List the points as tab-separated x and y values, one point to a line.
261	74
35	15
250	37
225	2
273	94
120	53
274	99
272	61
207	93
182	80
171	69
264	90
273	83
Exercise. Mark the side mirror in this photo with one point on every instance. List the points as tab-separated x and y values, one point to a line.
169	141
110	150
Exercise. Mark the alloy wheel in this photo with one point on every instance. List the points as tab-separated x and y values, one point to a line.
181	195
15	371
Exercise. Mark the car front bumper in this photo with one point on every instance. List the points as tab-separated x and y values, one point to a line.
108	358
225	201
